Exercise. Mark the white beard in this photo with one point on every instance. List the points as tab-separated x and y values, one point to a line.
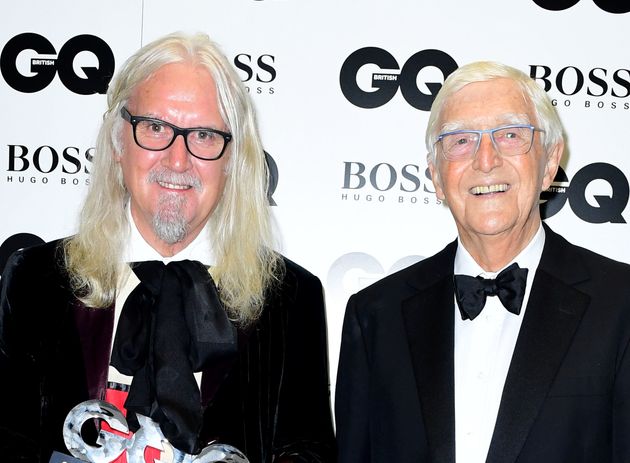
169	223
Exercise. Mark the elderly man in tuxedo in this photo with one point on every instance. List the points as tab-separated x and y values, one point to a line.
170	300
511	344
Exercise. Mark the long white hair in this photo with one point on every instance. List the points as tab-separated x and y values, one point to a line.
240	226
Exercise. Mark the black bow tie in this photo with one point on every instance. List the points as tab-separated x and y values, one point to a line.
509	285
172	325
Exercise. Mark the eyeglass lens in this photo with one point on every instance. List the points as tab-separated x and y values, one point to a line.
154	135
509	141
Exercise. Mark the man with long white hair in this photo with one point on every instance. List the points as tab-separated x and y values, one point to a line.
169	301
511	344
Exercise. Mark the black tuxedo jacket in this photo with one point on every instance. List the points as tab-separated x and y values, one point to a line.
566	398
54	353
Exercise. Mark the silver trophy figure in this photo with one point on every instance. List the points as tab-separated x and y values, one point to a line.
110	446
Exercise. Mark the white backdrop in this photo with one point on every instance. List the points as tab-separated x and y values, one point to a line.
352	201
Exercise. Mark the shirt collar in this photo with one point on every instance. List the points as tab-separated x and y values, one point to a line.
138	250
527	258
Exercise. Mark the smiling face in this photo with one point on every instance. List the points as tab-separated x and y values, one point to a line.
173	194
492	196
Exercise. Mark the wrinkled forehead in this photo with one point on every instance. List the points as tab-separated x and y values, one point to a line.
487	104
486	122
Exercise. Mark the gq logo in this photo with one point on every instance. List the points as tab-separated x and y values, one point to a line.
385	84
587	205
610	6
355	270
15	242
272	170
43	69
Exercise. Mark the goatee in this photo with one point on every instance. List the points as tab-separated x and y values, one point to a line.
169	223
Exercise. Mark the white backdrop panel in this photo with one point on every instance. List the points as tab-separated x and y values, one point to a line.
344	225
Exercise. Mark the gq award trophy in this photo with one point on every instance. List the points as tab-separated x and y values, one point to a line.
111	446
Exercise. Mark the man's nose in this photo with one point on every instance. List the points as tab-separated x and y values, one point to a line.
177	157
487	156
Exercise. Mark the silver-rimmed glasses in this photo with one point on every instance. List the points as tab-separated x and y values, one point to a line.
508	140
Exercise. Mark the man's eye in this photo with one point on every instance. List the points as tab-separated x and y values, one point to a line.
512	135
156	127
152	128
206	136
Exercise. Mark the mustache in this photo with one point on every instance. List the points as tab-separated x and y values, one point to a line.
165	175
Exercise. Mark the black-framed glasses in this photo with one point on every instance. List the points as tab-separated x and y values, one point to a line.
157	135
508	140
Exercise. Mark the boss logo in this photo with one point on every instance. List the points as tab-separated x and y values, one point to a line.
47	62
257	73
384	177
386	183
385	83
46	159
260	69
596	82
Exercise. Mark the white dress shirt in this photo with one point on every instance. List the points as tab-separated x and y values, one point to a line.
138	250
483	352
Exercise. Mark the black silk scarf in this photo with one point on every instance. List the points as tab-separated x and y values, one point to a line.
171	325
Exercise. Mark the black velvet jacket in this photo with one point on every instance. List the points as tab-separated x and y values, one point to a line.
54	352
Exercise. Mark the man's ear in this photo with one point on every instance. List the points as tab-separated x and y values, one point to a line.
553	162
435	177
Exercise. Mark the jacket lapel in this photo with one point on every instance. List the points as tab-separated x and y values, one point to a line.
553	314
429	321
94	329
